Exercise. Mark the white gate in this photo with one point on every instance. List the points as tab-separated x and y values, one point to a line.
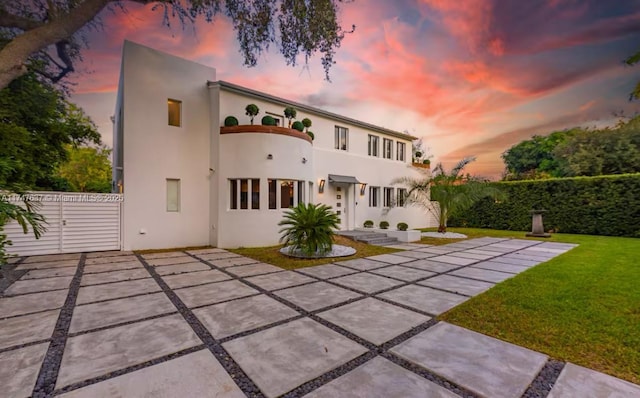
76	222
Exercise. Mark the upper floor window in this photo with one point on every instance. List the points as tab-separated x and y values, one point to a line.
374	193
388	197
400	151
387	148
175	112
342	138
373	145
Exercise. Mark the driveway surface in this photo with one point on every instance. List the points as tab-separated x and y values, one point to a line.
210	323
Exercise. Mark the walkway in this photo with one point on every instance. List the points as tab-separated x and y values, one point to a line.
209	323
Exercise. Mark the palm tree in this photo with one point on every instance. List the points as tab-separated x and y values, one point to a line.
309	229
453	191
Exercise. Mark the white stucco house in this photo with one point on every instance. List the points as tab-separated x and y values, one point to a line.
189	181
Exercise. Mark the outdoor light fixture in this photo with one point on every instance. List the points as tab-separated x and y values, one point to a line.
304	160
269	156
321	186
362	187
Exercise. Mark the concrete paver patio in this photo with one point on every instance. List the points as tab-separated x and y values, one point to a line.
210	323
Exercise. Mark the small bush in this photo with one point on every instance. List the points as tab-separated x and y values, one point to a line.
252	110
368	224
418	154
384	224
230	121
426	161
297	126
306	122
310	134
268	121
402	226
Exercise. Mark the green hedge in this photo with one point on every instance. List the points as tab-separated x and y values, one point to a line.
603	205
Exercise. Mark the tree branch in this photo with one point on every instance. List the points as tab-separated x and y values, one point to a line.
8	20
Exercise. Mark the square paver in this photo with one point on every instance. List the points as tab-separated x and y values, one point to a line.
501	267
403	246
48	258
198	374
316	295
93	269
27	328
244	314
515	260
98	353
279	280
48	264
110	291
154	256
213	293
110	253
576	381
327	271
281	358
97	315
489	367
253	269
34	302
182	268
432	266
381	378
19	370
425	299
159	262
436	250
38	285
217	256
391	258
114	276
482	274
374	320
415	254
208	250
49	273
194	278
451	259
403	273
110	260
468	287
367	283
473	256
230	262
362	264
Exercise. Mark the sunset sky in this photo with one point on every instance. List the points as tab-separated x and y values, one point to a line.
472	78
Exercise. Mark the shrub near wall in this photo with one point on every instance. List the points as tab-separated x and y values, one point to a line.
603	205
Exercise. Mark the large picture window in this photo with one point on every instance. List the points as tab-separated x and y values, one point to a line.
387	148
342	138
244	193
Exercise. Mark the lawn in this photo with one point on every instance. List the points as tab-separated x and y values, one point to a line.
272	255
582	307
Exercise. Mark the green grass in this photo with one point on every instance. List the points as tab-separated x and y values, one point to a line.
272	255
582	307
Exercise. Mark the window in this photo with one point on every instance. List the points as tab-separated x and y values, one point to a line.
175	110
173	194
272	194
242	192
300	191
373	145
387	148
374	193
400	151
342	138
402	197
388	197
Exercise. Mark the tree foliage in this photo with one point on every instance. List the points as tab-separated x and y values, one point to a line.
633	60
252	110
36	125
53	30
87	169
577	152
454	191
309	229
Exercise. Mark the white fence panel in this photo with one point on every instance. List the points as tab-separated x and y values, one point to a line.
76	222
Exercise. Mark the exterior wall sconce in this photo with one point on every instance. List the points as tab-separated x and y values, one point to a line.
321	186
362	188
269	156
304	160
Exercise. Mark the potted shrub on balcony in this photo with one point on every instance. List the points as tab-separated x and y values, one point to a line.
268	121
297	126
252	110
290	113
306	122
230	121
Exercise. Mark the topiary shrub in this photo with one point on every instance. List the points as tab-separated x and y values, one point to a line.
402	226
306	122
230	121
252	110
368	224
290	113
426	161
297	126
384	224
268	121
310	134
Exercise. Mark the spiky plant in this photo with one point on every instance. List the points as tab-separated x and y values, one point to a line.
309	229
453	191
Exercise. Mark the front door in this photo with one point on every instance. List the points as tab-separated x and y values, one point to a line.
345	206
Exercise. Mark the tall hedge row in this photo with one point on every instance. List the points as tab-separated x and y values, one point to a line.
603	205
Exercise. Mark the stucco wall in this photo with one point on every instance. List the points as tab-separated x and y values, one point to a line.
154	151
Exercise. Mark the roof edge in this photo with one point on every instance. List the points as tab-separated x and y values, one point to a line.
307	108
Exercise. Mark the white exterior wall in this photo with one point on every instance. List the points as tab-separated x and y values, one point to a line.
154	151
